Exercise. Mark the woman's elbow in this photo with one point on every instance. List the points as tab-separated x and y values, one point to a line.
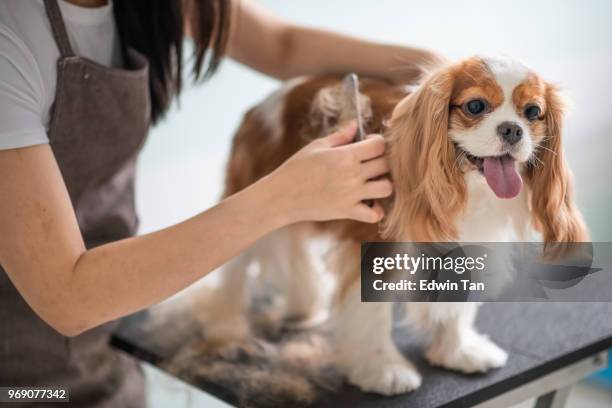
66	320
69	329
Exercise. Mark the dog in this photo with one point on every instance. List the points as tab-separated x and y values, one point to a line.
475	151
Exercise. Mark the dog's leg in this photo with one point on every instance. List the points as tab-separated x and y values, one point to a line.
364	348
223	316
455	343
305	289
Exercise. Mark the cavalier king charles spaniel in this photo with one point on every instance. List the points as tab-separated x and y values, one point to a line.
475	150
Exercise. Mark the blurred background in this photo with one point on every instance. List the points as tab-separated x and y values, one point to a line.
568	42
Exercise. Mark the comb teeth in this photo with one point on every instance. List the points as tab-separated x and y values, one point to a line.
350	93
350	90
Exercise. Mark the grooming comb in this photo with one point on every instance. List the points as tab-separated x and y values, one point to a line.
350	95
350	91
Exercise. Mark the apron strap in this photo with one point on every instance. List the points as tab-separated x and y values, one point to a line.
59	28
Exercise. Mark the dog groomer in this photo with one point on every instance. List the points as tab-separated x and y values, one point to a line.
81	81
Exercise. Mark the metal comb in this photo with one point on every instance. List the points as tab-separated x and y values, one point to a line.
350	94
350	90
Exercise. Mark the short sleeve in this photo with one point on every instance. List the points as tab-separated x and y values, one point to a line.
21	95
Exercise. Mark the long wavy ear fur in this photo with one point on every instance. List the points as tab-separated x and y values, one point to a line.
429	188
555	214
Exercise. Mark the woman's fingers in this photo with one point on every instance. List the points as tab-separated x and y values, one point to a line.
375	167
372	190
373	146
367	214
377	189
341	175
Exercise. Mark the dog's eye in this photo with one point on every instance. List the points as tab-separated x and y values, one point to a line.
532	112
475	107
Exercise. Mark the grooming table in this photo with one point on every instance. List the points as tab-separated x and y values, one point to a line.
551	346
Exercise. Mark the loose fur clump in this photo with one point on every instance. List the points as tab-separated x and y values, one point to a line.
258	373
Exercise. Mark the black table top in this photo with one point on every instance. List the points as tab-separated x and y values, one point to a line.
539	337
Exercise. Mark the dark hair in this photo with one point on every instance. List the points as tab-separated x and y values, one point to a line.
156	29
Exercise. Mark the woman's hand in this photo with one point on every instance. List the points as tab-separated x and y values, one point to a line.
329	178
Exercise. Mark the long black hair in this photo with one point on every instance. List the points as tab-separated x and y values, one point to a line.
156	29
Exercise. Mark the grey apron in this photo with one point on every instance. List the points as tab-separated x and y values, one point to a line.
99	121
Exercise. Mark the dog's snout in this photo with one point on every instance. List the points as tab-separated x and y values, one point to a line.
511	132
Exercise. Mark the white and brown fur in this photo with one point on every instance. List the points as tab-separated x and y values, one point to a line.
438	196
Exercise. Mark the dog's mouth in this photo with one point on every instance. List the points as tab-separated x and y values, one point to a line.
500	172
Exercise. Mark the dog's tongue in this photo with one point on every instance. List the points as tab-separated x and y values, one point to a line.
502	176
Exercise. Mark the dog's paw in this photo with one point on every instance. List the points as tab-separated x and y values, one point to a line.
476	354
388	378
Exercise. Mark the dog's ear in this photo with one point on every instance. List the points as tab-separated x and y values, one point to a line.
550	179
429	189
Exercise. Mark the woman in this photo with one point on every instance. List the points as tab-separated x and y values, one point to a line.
80	83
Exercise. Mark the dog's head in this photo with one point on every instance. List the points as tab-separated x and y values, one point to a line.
491	116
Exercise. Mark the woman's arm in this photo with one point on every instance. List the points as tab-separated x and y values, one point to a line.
275	47
74	289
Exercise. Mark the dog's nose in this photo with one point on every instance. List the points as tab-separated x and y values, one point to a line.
511	132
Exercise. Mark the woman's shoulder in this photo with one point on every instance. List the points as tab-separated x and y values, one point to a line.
23	91
22	16
25	29
28	52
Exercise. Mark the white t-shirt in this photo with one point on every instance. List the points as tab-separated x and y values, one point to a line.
28	62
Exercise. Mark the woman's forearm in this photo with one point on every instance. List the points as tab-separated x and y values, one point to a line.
278	48
119	278
312	51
